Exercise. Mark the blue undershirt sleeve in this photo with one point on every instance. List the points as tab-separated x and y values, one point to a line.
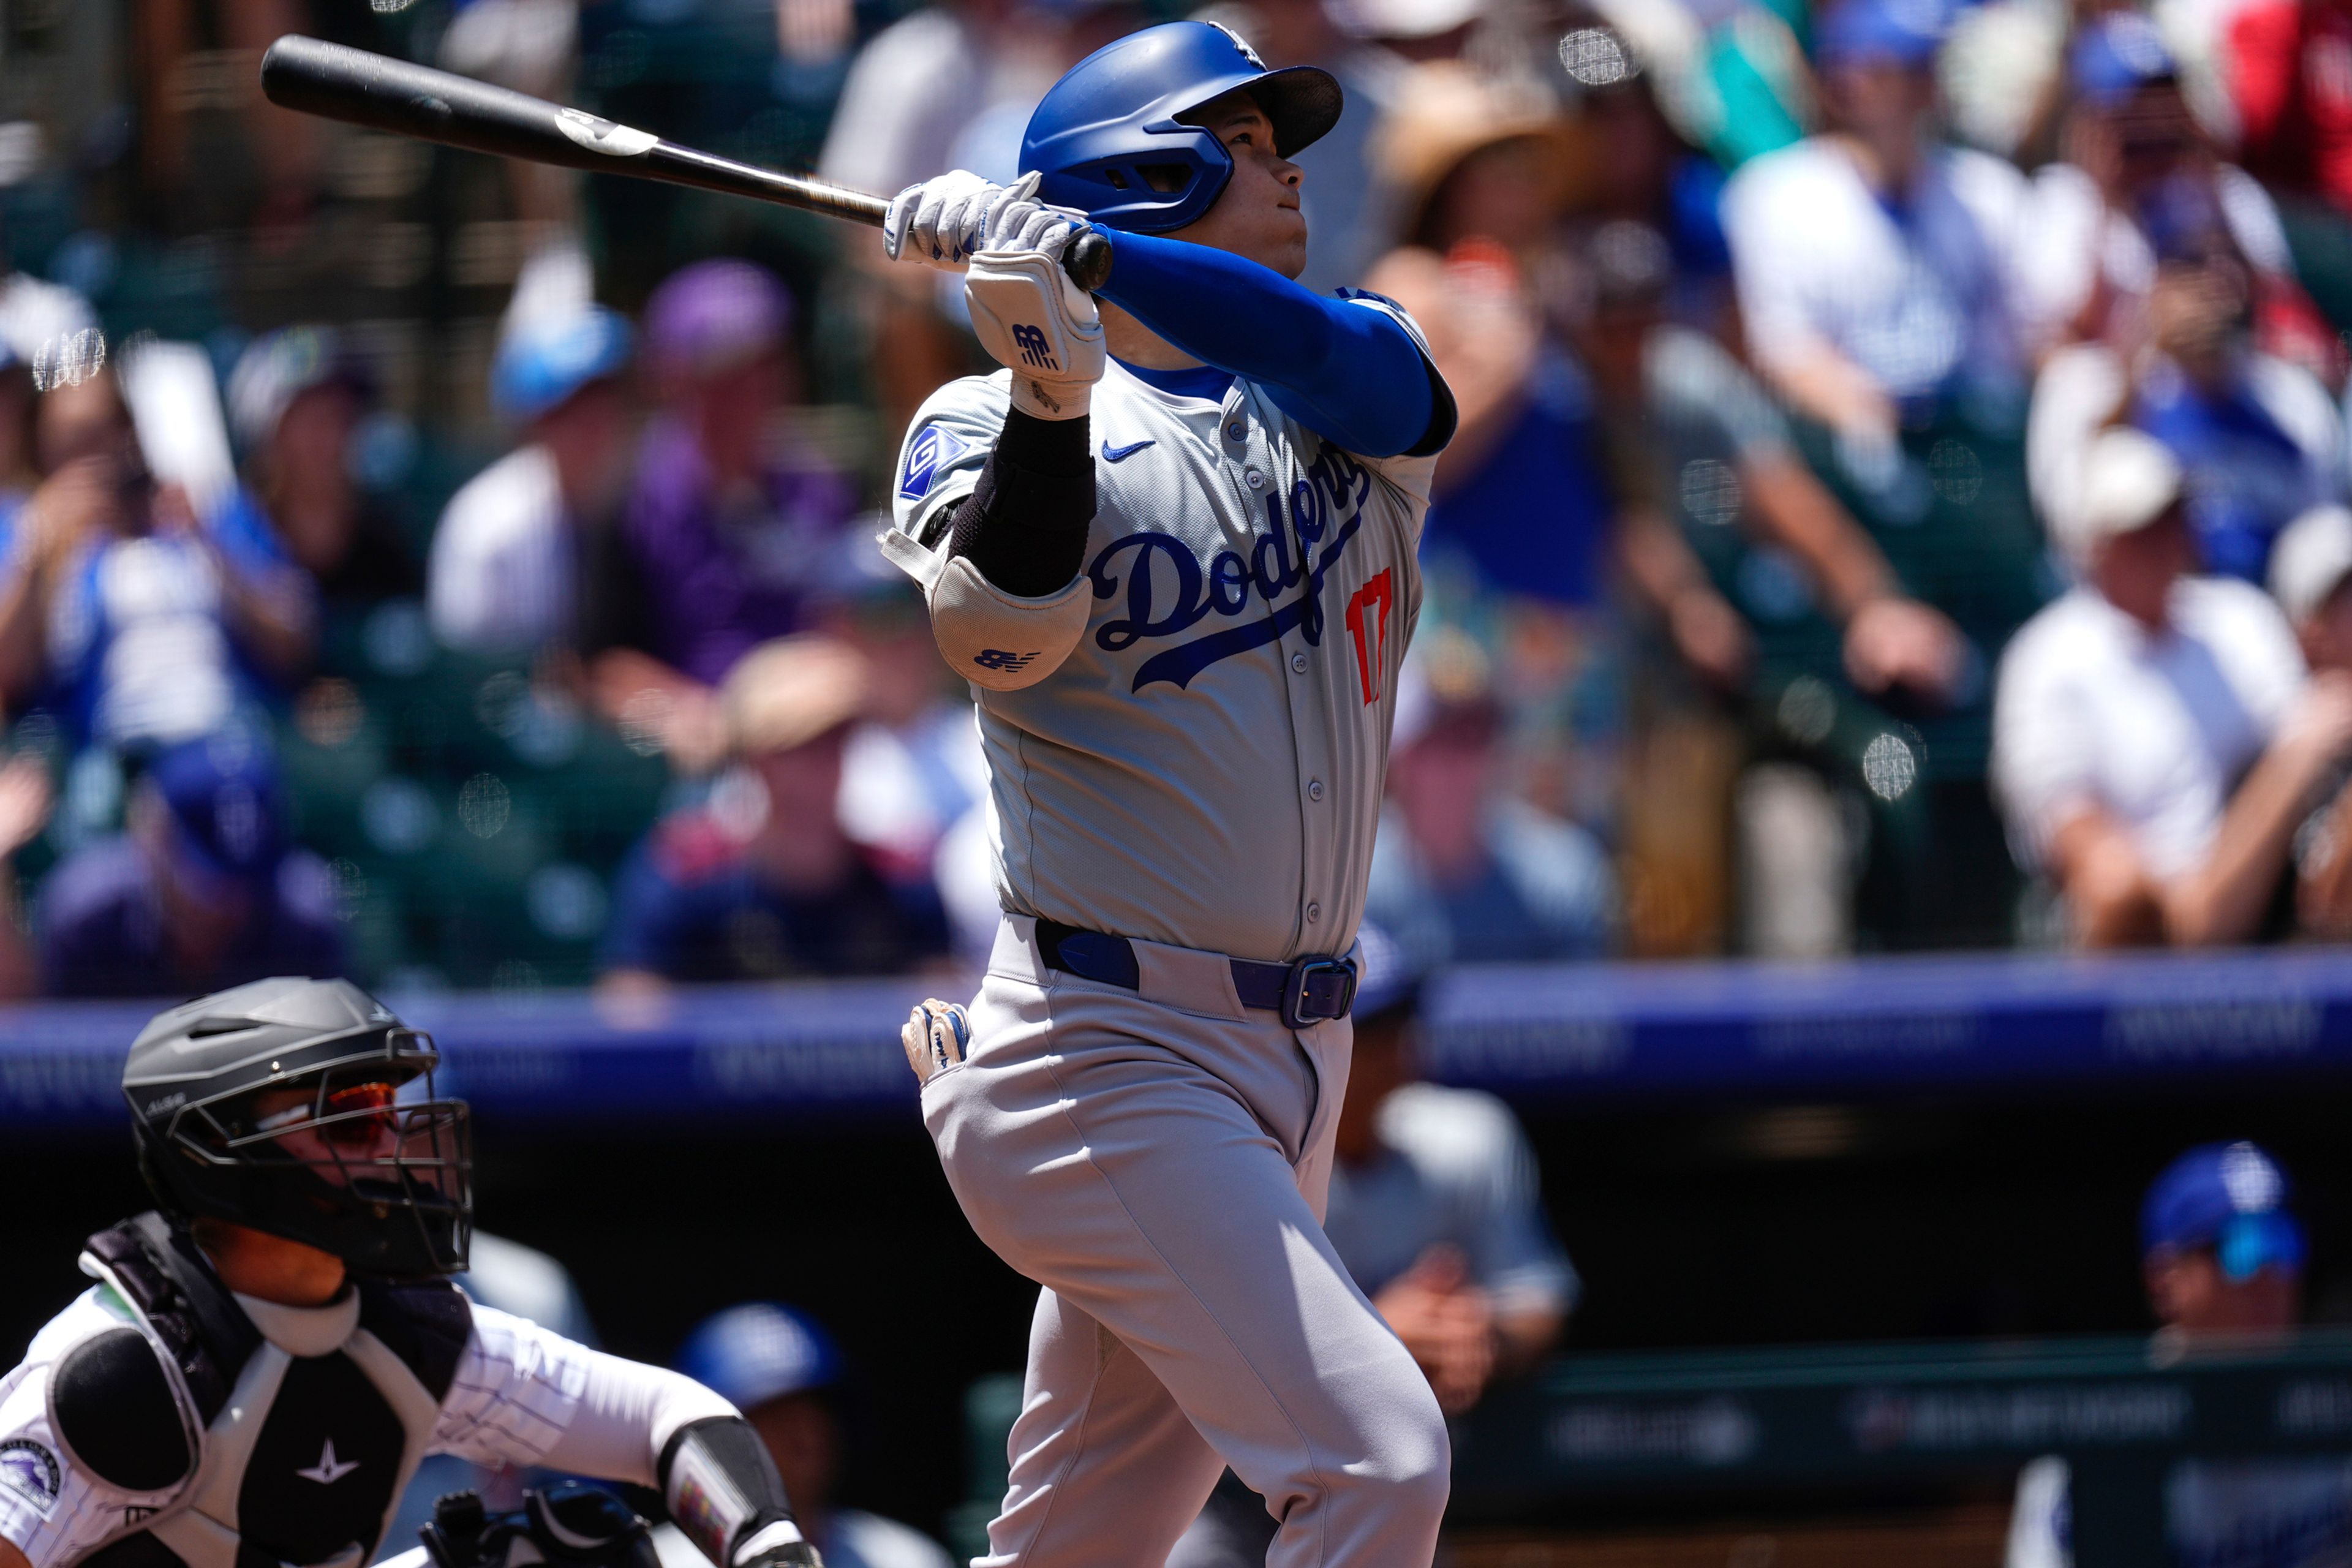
1351	375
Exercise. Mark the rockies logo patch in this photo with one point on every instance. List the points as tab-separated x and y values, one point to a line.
935	448
30	1470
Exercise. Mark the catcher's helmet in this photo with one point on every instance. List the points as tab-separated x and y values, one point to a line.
1108	140
280	1106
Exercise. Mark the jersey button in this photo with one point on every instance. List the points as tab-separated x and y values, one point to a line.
1237	431
1298	664
1254	478
1315	789
1314	913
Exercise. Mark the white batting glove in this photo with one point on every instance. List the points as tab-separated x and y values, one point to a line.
945	222
934	1036
1035	323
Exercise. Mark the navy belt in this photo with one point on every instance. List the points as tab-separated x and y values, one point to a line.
1309	991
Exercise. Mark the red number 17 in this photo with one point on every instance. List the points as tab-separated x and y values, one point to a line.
1368	619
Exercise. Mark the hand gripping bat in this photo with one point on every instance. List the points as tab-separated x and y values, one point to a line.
385	94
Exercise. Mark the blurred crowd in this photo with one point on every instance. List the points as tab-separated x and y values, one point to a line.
1899	498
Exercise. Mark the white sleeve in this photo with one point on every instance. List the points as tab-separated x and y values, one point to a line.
523	1396
1771	264
478	592
2044	766
51	1508
2263	658
2253	220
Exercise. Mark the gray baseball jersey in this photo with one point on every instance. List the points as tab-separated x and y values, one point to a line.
1204	768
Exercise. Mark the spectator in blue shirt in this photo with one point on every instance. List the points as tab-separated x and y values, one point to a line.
761	883
144	623
201	893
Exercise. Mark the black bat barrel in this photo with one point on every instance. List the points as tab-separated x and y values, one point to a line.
358	88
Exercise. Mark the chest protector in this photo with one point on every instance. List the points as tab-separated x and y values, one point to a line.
290	1460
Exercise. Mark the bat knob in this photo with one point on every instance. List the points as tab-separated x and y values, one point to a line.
1088	261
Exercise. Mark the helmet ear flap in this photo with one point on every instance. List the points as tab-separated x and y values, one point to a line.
150	1171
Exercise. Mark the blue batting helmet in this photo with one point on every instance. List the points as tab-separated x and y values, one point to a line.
1107	136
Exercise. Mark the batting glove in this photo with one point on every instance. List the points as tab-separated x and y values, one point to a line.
1035	323
945	222
935	1035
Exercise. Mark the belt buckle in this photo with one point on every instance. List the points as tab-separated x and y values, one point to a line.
1302	973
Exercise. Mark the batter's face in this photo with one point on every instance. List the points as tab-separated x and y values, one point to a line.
1256	215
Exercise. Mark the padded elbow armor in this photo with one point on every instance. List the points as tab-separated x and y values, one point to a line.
999	641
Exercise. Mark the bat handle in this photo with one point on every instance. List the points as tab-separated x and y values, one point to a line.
1088	261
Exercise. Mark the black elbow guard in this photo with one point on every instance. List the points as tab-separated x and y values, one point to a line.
1023	527
724	1493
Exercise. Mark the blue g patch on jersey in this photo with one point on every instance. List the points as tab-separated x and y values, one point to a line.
932	451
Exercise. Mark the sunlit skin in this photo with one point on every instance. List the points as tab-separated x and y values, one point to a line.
305	479
1441	783
1257	215
2135	571
1880	108
2192	1296
275	1268
588	435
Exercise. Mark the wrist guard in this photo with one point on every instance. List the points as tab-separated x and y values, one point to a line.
1036	323
724	1493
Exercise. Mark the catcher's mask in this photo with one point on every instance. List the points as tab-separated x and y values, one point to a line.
305	1108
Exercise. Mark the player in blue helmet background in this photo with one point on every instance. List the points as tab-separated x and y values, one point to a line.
777	1366
2222	1256
1173	546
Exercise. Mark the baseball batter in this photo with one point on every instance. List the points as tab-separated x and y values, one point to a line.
1171	545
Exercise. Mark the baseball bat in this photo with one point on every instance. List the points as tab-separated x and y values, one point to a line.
385	94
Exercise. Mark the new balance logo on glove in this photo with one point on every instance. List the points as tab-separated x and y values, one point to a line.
1035	350
998	658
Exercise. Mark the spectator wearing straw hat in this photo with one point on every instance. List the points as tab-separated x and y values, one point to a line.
761	883
1482	173
2155	738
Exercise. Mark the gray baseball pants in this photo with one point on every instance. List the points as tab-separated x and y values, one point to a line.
1159	1163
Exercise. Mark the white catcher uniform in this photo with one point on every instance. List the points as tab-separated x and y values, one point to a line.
1202	774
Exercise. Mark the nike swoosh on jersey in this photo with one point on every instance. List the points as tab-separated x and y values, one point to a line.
1122	454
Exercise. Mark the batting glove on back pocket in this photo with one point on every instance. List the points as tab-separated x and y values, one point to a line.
935	1035
1038	324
